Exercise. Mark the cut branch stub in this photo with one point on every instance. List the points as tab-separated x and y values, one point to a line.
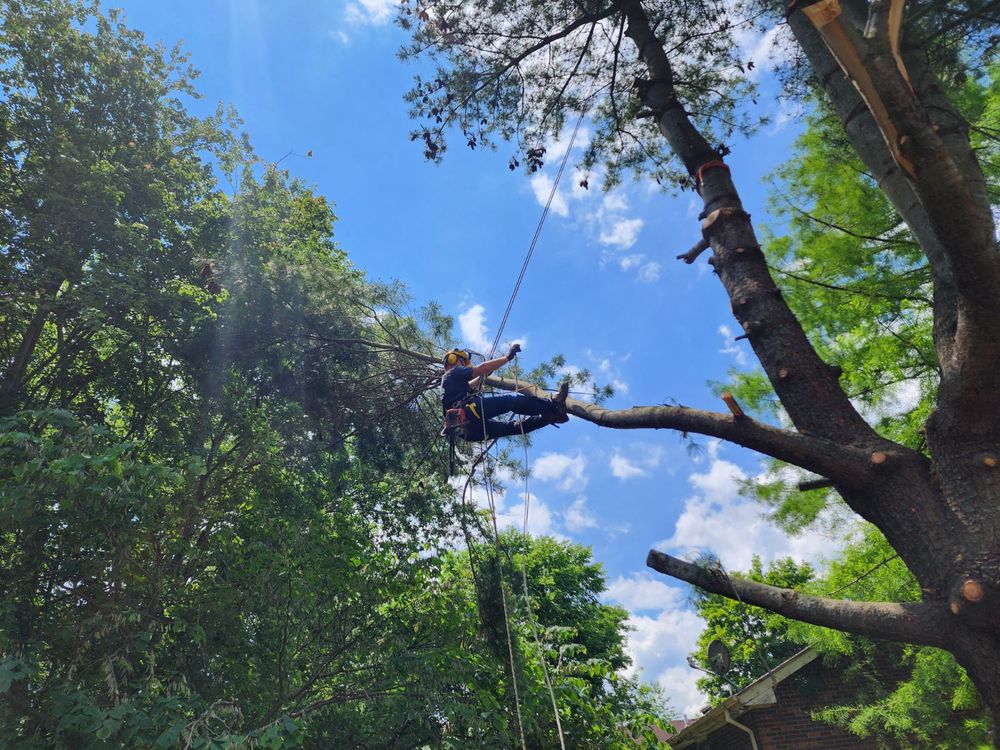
734	407
972	591
691	255
815	484
711	222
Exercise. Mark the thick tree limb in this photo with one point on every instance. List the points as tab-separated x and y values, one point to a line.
924	127
848	466
862	130
921	623
829	458
810	391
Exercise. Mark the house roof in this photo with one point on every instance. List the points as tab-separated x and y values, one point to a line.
758	693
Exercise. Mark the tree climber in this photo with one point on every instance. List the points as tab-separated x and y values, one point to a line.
466	409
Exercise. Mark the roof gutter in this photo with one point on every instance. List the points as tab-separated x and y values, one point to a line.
744	727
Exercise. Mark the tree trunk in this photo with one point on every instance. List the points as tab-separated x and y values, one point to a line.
939	513
14	379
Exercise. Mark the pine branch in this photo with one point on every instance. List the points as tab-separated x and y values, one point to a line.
921	623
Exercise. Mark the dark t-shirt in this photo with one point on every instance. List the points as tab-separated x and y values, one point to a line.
455	384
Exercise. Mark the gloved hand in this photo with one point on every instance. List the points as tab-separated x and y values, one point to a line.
512	352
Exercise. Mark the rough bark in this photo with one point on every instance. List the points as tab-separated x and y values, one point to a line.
862	131
772	329
913	622
939	511
946	538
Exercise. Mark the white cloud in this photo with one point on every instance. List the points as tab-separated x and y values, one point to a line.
622	233
472	323
659	647
608	374
788	111
614	203
578	517
622	468
541	520
764	50
897	399
665	627
650	272
766	53
555	150
541	186
693	207
640	592
681	684
568	471
370	12
608	367
628	468
717	519
647	272
628	262
731	346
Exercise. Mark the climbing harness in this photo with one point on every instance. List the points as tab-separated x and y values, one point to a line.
456	425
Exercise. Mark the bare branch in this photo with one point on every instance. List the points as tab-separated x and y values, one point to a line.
922	623
826	457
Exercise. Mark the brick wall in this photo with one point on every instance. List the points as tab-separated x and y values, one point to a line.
788	726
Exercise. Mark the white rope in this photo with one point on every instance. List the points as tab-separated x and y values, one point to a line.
527	594
489	482
538	233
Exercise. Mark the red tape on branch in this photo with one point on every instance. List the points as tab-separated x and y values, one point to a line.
715	164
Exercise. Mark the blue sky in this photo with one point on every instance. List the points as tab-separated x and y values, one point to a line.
603	288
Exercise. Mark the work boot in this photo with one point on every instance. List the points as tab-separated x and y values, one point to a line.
561	394
559	415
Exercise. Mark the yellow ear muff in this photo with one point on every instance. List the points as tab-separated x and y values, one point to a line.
453	357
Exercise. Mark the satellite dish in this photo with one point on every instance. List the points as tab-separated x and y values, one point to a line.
718	657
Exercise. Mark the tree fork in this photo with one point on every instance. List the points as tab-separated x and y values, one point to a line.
947	181
862	131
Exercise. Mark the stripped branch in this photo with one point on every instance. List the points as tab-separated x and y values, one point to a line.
922	623
829	458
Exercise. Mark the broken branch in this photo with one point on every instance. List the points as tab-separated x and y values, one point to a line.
692	255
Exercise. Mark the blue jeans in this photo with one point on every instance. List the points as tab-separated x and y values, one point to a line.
537	410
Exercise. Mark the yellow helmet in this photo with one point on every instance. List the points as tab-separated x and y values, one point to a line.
454	356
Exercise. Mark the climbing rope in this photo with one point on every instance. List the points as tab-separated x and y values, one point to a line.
488	481
538	233
527	594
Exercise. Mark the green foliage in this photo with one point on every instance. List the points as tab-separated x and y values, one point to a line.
859	284
757	639
844	260
567	636
223	510
907	696
522	70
